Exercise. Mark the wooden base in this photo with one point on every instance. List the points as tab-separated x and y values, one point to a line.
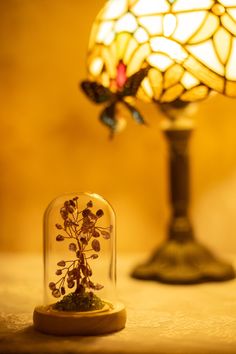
64	323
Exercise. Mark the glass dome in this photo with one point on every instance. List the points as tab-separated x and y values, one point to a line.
80	264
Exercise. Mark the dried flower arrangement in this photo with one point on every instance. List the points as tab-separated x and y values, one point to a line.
81	228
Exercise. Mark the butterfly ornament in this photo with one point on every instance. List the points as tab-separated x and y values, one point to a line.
125	87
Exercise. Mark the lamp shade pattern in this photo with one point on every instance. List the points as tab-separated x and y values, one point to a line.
189	47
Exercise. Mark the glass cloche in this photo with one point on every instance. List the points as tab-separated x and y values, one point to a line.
79	268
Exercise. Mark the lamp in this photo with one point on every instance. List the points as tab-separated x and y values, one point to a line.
171	52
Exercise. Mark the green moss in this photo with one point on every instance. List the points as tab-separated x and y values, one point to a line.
86	301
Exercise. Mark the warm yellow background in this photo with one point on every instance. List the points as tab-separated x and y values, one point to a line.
52	142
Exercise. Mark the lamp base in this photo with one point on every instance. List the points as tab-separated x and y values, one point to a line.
184	263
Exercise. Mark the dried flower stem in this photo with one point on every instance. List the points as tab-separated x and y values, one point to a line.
85	232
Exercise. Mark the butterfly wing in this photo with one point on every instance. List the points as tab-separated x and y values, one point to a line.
133	83
108	118
135	113
96	92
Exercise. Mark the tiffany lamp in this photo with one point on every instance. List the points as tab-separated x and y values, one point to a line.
172	53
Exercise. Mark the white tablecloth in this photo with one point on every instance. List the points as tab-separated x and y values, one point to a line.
163	319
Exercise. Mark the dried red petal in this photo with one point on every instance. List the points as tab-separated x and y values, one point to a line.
56	293
96	233
72	247
99	213
59	227
98	287
71	284
94	256
96	245
106	235
60	238
61	264
85	213
52	286
90	204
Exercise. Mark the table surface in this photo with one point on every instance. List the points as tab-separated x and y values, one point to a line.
161	318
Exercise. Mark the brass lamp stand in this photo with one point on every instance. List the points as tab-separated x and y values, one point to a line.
181	259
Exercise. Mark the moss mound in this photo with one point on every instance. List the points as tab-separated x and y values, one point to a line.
86	301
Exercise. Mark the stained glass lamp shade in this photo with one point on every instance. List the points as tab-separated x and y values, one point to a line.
171	52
